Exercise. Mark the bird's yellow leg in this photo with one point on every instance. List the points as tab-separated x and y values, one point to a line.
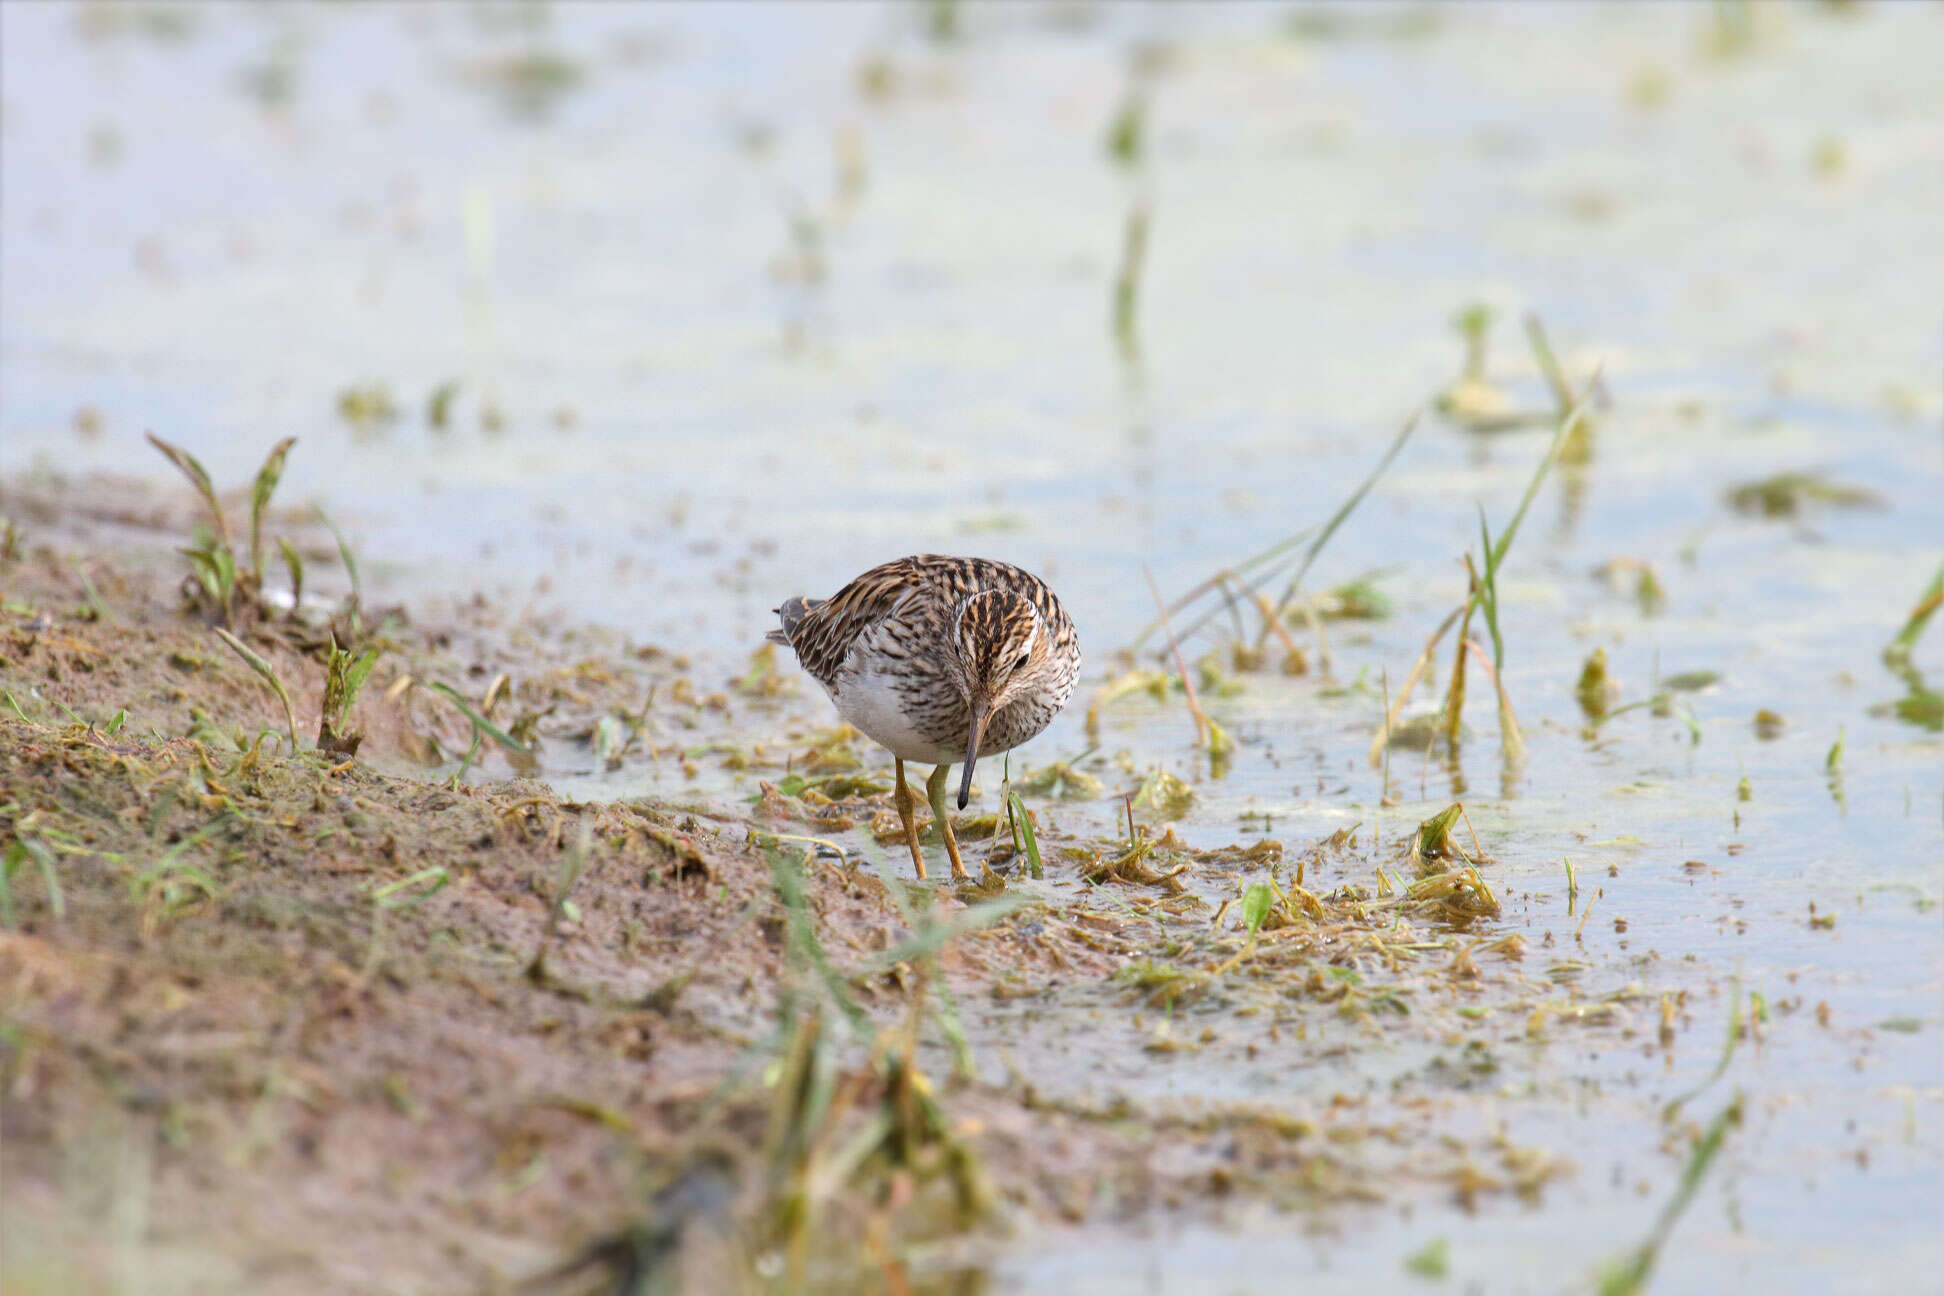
936	791
903	799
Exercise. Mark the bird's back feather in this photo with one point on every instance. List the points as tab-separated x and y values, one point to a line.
823	631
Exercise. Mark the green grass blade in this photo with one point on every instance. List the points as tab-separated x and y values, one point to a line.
14	703
1257	901
1031	837
94	595
44	858
1343	511
963	1063
198	477
522	756
16	855
1488	592
261	490
786	875
344	552
262	668
1673	1107
1542	352
295	562
1899	648
1628	1276
1127	282
354	678
1567	423
437	875
1128	132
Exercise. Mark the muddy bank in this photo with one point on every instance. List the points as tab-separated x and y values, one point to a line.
324	1002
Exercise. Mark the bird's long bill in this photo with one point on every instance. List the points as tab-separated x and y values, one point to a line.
973	737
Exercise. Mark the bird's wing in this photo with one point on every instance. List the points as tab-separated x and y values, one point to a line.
824	636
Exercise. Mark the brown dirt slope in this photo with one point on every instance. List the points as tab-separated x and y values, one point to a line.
286	1022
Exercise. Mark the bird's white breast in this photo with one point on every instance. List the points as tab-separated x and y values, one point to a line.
868	701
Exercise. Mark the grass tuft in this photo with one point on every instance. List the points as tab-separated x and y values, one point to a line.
221	586
344	676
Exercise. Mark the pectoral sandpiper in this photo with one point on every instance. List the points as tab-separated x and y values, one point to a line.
938	659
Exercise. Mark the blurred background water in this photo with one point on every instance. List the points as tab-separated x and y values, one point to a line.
651	315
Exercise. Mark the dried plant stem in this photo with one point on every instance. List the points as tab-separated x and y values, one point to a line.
1454	705
1219	581
1274	622
1381	740
1510	735
1203	730
1478	851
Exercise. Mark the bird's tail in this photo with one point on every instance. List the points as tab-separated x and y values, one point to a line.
792	612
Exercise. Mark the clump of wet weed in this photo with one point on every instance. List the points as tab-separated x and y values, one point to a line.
1163	985
1473	400
1635	576
1476	404
367	407
226	587
1145	861
529	85
1596	688
1061	780
1788	494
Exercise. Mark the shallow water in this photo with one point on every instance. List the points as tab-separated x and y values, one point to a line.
729	365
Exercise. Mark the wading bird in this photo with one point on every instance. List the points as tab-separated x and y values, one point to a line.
938	659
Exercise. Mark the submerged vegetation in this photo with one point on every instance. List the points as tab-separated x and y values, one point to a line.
1238	591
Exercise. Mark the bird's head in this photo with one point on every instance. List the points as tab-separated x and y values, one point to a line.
1002	651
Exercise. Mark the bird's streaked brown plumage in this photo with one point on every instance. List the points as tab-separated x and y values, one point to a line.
939	659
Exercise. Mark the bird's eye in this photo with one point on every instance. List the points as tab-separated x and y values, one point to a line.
1023	659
